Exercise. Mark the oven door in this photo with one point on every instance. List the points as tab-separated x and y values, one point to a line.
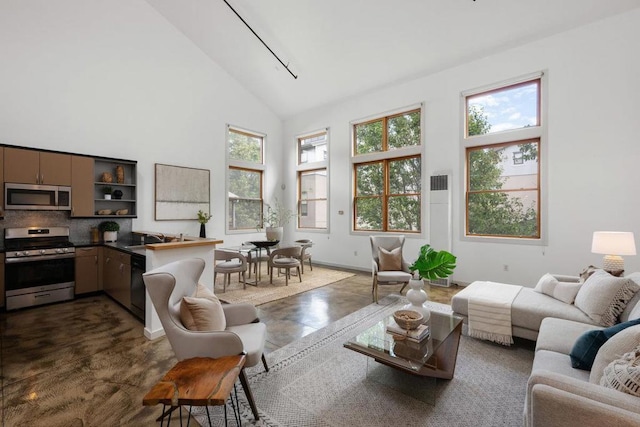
31	281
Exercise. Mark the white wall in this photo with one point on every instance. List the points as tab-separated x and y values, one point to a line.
114	78
593	150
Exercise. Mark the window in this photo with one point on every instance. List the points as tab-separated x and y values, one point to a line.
387	167
502	146
245	177
313	187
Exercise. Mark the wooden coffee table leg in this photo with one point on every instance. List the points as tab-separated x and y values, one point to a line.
247	392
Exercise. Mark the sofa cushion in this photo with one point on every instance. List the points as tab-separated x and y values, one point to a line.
550	339
587	345
390	260
557	363
529	308
563	291
621	343
624	374
603	297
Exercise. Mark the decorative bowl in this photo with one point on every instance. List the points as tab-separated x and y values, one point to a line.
408	319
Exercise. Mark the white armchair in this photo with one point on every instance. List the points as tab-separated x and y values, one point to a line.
244	332
382	275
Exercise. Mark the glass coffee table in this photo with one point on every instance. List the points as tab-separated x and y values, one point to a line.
432	357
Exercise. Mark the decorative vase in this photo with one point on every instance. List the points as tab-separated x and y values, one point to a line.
117	194
203	231
274	233
417	298
120	174
107	196
110	236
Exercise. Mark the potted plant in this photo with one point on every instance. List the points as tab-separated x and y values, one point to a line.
430	265
203	218
109	230
106	190
274	219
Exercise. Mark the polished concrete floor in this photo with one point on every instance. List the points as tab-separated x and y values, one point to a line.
86	362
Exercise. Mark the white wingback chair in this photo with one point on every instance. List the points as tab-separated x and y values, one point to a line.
244	332
388	277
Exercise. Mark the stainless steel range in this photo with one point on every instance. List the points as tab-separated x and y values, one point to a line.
39	266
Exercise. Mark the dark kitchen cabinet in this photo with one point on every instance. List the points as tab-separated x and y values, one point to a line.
1	279
87	270
117	276
81	186
36	167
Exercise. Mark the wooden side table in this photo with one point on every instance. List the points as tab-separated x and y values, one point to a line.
201	381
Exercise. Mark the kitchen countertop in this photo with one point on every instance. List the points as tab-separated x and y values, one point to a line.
136	248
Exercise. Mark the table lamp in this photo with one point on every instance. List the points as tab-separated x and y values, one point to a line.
613	244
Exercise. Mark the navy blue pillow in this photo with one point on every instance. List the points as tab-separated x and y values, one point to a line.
586	348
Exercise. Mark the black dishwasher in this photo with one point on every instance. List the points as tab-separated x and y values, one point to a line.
138	294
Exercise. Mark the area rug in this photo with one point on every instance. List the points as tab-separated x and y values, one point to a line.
266	292
315	381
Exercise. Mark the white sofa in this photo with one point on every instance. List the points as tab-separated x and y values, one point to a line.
557	394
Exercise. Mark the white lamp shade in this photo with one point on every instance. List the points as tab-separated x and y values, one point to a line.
613	243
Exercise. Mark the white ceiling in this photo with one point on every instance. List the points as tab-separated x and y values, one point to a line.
340	48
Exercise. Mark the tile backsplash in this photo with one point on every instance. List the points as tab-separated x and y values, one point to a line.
79	228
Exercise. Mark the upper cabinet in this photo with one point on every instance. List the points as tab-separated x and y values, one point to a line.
36	167
82	186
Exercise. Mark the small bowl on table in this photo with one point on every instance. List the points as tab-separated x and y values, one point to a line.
408	319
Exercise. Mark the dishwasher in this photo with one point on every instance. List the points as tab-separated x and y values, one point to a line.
138	291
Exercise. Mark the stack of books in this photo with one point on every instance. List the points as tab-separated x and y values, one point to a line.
419	334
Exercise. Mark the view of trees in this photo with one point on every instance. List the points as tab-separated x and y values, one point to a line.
491	211
245	185
388	192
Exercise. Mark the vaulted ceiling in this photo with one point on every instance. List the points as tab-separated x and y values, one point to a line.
340	48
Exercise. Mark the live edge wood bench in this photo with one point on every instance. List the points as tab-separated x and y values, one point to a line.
201	381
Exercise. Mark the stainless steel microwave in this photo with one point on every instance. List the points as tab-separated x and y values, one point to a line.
37	197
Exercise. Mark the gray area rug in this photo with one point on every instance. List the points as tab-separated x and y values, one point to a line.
315	381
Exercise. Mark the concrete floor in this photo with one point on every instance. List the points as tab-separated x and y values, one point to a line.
87	363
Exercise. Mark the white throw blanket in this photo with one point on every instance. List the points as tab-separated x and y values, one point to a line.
490	311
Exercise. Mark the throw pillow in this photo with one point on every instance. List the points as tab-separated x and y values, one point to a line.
587	272
203	311
603	297
632	310
621	343
562	291
586	347
390	260
624	374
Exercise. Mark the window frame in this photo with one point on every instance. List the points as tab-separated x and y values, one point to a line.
507	137
386	156
243	165
306	167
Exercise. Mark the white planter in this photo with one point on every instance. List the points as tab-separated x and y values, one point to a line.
110	236
417	297
107	196
274	233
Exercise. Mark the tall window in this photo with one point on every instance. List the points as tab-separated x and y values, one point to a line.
387	167
245	177
312	181
502	145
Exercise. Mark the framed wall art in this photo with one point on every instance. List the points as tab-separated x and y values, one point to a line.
181	192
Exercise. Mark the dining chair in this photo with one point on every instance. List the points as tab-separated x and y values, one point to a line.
227	263
285	258
305	254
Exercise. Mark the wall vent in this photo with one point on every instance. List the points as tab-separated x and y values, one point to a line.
440	218
439	182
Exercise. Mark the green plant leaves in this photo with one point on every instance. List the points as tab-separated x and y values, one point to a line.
433	265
